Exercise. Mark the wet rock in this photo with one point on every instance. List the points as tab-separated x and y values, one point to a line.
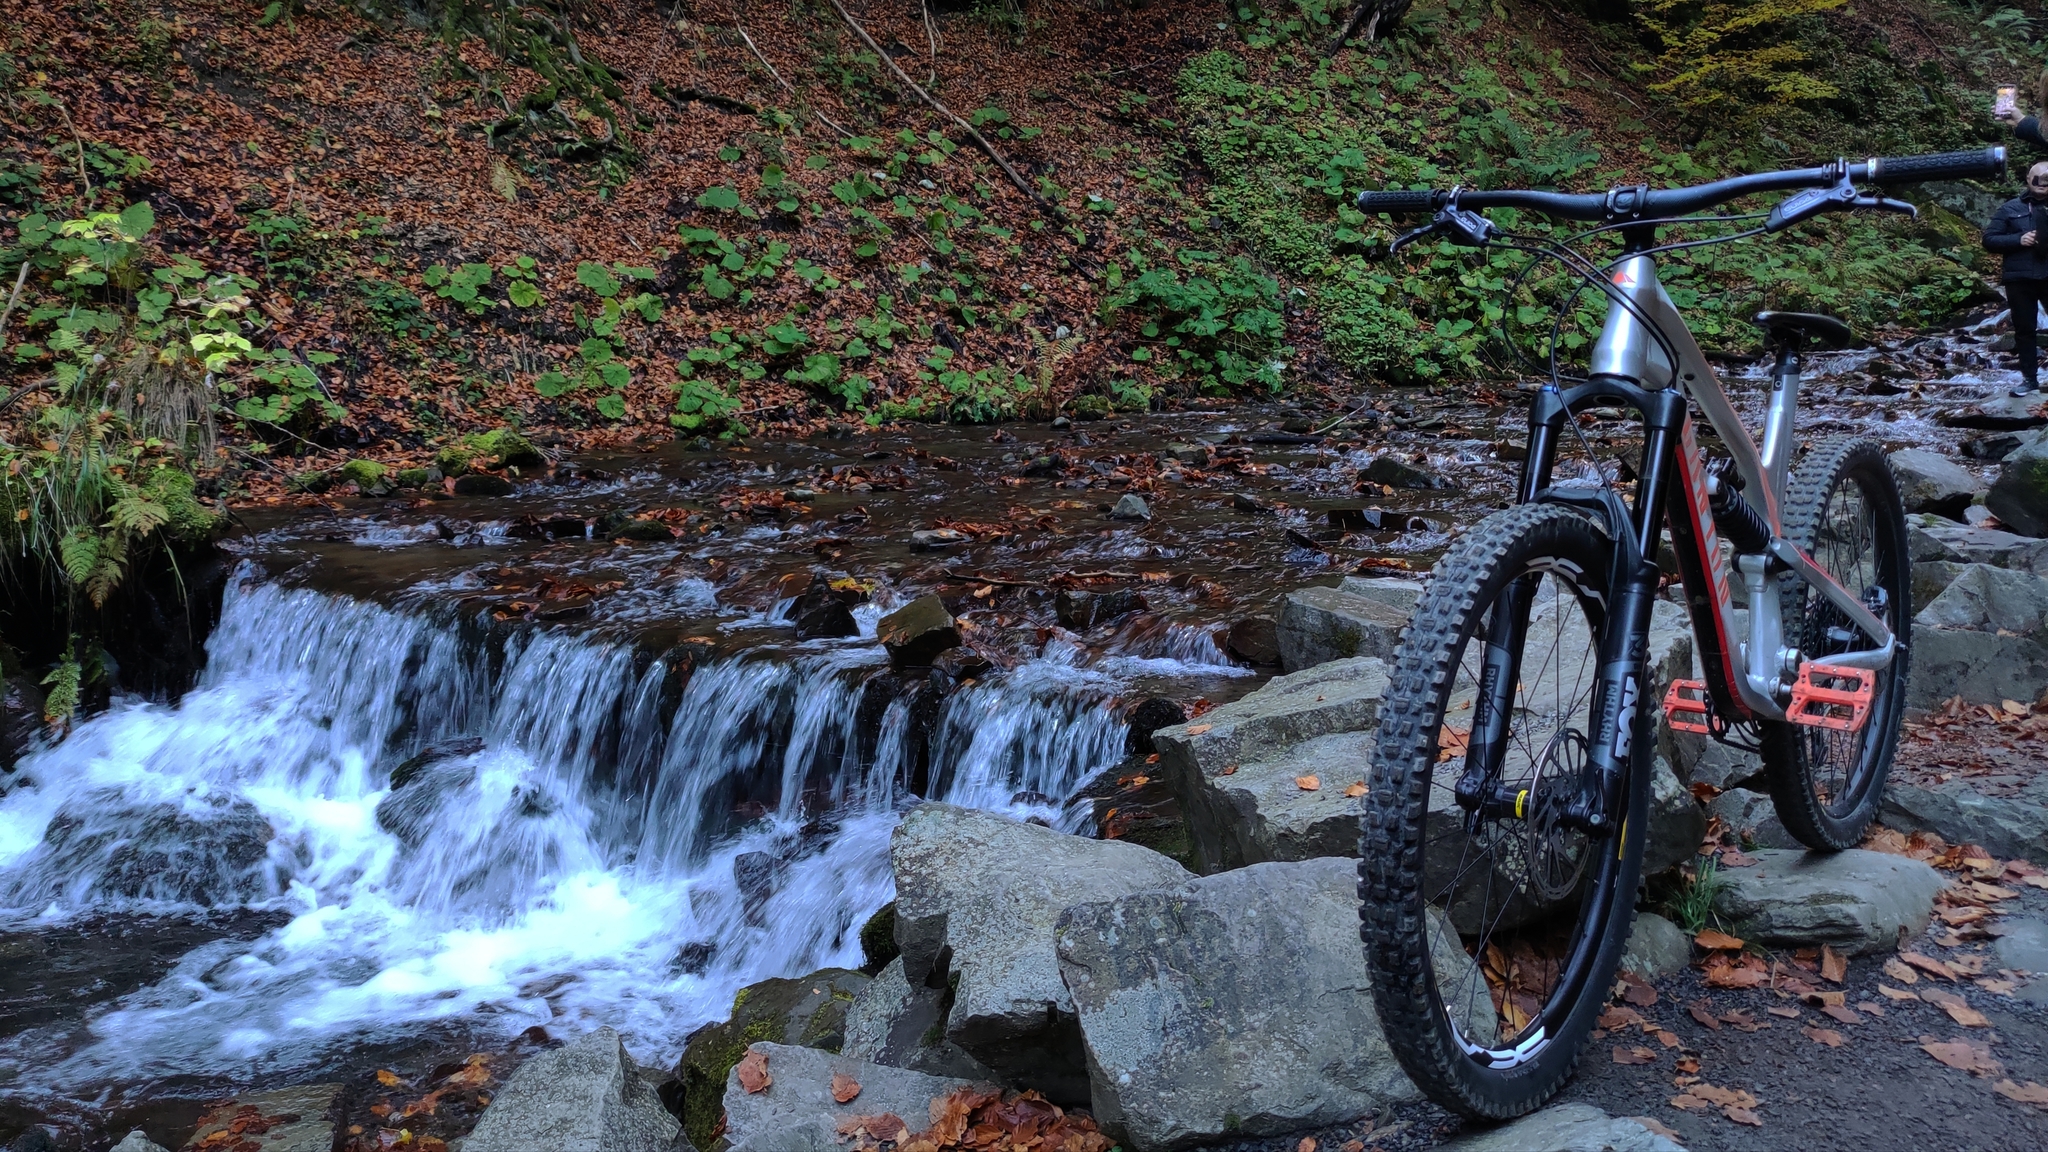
1985	638
1995	447
482	484
1150	715
293	1119
1999	414
1320	624
586	1097
36	1139
1656	947
1235	769
2003	825
937	539
1190	1035
1395	592
1677	822
21	719
641	531
1395	472
137	1142
2019	497
894	1022
976	898
1131	507
820	613
1249	504
1081	611
433	754
1704	760
757	875
797	1113
1934	538
1931	482
1932	577
419	795
917	632
1255	640
1196	454
962	664
810	1012
1855	901
1566	1128
200	850
1753	817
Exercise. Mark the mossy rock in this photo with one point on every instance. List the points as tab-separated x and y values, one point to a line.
495	450
878	939
369	477
809	1012
1091	407
190	521
314	481
649	531
416	477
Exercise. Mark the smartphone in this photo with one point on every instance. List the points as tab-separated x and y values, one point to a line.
2007	101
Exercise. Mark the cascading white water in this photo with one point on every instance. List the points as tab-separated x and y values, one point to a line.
561	857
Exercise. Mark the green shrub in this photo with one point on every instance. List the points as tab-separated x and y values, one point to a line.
1220	325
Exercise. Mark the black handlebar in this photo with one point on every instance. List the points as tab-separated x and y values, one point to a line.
1643	202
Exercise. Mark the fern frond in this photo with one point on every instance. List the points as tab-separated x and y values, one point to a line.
80	553
138	515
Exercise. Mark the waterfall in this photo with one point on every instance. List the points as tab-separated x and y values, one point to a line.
582	833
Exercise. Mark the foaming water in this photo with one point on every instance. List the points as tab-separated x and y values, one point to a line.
562	850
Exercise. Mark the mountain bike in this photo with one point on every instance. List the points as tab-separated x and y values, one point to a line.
1502	840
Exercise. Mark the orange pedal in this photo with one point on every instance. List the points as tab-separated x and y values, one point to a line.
1827	696
1685	706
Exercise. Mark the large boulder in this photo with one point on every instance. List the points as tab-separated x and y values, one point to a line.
1567	1128
977	896
1677	822
586	1097
1239	1005
1933	538
2002	825
1753	817
208	850
917	632
1235	769
1985	638
1931	482
809	1012
1320	624
2019	497
797	1111
290	1119
1855	901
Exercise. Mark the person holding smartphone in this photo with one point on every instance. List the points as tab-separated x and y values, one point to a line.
2005	108
2015	233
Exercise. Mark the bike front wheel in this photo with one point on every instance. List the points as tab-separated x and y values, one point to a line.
1492	940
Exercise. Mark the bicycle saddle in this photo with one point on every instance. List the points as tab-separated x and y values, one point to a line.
1790	327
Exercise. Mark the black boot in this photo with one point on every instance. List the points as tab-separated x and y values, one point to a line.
2027	388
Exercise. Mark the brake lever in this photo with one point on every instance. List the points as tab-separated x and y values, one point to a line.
1887	204
1842	197
1466	227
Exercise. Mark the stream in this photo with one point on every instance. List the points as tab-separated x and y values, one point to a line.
626	789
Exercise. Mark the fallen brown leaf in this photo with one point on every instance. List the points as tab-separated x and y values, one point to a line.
1743	1116
1619	1017
1704	1015
1308	1144
1710	939
1842	1013
1356	790
1900	972
1787	1013
1198	729
1636	991
1307	783
1891	993
1725	1097
1353	1146
1633	1055
844	1087
1667	1039
1689	1102
1830	999
753	1072
2028	1093
1834	968
388	1078
1654	1125
1688	1064
1827	1036
1929	965
1975	1059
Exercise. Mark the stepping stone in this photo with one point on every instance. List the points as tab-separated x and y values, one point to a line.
1566	1128
1855	901
2004	826
798	1113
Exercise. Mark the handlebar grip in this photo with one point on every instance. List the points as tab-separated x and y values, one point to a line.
1984	163
1399	203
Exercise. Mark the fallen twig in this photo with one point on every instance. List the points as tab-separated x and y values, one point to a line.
682	96
942	110
18	393
931	37
14	297
742	30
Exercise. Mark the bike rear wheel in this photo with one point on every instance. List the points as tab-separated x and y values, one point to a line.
1493	941
1843	507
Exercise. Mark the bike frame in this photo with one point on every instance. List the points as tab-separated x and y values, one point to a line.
1747	677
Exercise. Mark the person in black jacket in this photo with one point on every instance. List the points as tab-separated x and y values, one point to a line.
2015	233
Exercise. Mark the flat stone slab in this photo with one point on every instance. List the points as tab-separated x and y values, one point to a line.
2002	826
1855	901
1930	537
796	1112
296	1118
977	896
1318	625
1234	769
1566	1128
587	1096
1238	1005
1931	482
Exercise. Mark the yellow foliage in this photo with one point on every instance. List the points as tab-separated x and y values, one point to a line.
1733	57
